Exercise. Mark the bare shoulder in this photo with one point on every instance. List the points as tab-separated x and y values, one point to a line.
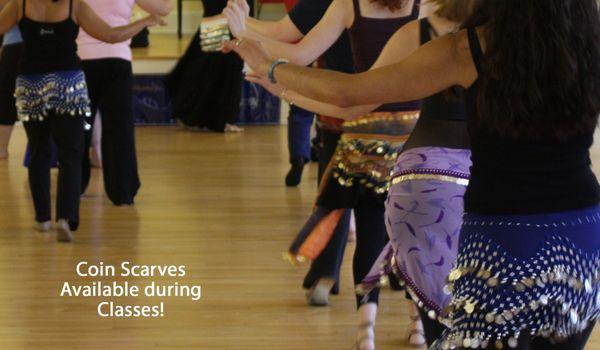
412	27
344	9
78	4
412	33
18	4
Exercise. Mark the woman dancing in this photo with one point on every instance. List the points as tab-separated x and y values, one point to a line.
359	173
206	87
424	207
52	98
108	73
529	250
301	19
436	150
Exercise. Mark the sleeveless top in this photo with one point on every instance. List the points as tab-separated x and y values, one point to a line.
443	119
12	37
49	46
521	176
368	37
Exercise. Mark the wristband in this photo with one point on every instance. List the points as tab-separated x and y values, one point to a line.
271	73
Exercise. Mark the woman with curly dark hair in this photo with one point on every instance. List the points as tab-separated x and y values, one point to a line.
527	274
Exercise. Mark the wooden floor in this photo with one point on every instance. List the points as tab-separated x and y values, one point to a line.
215	203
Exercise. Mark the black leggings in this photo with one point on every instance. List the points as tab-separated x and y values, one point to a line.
371	238
110	88
67	133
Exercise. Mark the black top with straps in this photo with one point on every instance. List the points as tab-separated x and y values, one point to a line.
443	120
49	46
368	37
442	105
521	176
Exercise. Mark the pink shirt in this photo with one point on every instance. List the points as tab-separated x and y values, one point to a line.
116	13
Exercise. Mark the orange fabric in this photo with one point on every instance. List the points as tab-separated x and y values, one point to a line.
321	235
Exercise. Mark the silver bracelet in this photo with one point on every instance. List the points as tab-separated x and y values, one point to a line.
271	73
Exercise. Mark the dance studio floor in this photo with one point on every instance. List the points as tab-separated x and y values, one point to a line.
214	203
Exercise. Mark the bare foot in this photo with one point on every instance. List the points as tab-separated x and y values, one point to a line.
232	128
45	226
63	231
416	334
318	295
365	337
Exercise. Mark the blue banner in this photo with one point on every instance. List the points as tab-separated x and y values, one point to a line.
152	106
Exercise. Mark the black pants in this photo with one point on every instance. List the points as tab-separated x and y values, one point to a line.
67	133
371	238
328	142
110	88
329	262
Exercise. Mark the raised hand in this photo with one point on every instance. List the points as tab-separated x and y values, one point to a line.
236	18
245	7
252	52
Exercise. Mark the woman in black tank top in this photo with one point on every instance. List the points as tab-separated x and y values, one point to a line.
358	175
528	266
52	100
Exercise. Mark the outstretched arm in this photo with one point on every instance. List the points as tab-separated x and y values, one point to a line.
97	28
283	30
312	46
436	66
404	42
156	7
9	14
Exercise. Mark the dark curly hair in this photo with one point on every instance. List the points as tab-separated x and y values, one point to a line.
541	67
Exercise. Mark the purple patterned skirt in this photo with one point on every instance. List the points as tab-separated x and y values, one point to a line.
424	213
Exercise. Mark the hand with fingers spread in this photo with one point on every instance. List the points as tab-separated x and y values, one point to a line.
253	53
236	14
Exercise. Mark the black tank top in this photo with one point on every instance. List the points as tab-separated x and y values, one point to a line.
49	46
521	176
368	37
443	120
